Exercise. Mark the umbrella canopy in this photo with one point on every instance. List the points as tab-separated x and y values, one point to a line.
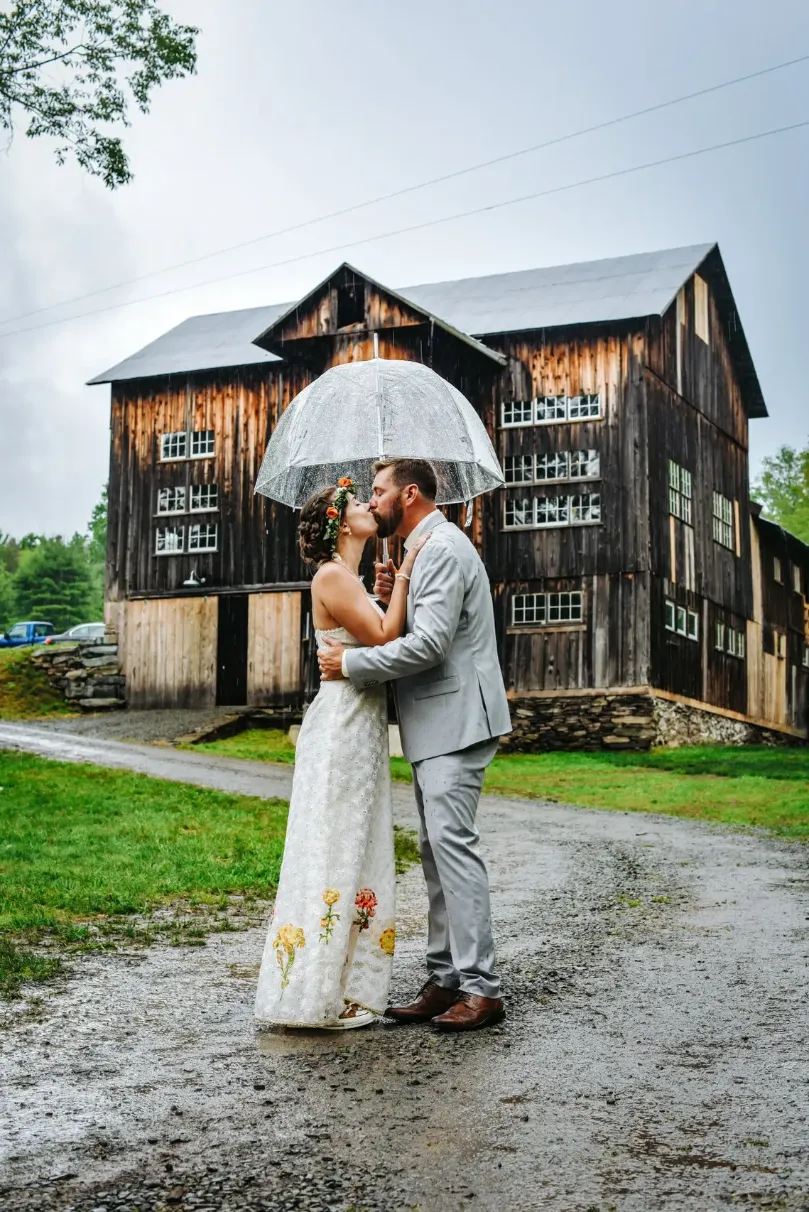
363	411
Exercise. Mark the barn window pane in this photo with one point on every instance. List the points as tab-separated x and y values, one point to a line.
806	656
585	464
723	520
518	412
169	540
553	466
519	469
520	512
202	537
692	625
776	569
553	511
171	500
528	608
564	607
173	446
674	476
204	496
551	408
582	407
202	443
669	615
682	618
796	578
585	507
719	642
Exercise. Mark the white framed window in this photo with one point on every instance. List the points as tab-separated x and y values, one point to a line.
806	656
519	469
517	412
528	608
552	511
740	644
565	607
669	615
701	309
678	618
680	492
202	536
682	619
539	512
719	642
169	540
173	446
777	574
585	507
780	645
551	409
171	500
692	625
796	578
585	465
203	443
547	609
204	497
553	466
723	520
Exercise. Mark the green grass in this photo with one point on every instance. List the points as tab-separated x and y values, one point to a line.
25	692
750	785
83	850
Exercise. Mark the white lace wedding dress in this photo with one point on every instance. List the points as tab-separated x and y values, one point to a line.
332	931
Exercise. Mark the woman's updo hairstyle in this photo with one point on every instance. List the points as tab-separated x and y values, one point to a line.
315	543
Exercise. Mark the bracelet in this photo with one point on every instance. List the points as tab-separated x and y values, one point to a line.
401	576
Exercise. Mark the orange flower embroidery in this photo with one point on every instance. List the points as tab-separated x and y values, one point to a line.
330	898
387	940
366	903
288	939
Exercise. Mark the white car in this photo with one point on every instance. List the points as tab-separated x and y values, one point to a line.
82	632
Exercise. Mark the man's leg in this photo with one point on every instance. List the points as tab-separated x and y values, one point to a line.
448	793
439	954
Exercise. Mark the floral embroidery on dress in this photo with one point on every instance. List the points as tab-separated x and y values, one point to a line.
327	923
288	939
387	940
366	903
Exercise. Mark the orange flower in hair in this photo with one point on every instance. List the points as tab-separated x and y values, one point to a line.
345	482
331	512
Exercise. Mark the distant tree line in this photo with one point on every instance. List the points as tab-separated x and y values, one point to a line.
54	580
783	490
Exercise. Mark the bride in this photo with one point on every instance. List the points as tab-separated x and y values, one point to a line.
329	950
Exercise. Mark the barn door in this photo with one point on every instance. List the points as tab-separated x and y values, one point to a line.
231	651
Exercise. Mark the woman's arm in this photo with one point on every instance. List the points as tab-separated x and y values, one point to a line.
347	603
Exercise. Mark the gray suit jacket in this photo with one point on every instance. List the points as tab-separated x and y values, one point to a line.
449	687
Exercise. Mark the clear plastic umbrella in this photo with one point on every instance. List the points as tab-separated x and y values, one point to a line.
363	411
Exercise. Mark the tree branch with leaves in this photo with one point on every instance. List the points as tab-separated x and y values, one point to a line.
72	70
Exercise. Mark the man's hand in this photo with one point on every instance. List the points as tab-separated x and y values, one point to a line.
330	660
383	584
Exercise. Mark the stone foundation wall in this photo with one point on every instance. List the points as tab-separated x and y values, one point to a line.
87	675
624	721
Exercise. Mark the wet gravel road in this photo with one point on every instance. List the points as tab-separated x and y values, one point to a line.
654	1056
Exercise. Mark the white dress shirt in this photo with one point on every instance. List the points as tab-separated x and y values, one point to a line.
415	534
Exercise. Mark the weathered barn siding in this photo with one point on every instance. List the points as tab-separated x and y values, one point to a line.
274	648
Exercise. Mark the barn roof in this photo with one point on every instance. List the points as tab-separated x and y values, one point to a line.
586	292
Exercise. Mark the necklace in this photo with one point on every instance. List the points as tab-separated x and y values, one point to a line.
338	559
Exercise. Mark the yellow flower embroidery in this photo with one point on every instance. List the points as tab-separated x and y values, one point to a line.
288	939
387	940
330	898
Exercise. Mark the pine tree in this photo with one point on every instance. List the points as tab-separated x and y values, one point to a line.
54	583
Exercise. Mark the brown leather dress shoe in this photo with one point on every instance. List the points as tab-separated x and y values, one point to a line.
432	1000
470	1012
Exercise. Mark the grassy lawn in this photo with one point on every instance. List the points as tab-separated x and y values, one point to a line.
83	849
754	785
25	692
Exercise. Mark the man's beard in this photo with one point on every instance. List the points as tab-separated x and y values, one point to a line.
388	523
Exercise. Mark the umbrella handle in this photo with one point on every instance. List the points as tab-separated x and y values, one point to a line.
385	551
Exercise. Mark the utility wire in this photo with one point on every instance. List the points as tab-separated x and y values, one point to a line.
398	231
409	189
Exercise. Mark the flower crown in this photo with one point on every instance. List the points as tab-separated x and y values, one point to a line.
345	489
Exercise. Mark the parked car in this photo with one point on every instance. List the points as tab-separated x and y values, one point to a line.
26	633
83	631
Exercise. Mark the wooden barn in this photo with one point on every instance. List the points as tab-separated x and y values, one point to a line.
633	580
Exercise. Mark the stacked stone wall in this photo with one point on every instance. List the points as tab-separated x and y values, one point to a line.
88	675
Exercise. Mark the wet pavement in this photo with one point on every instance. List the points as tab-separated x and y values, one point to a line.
654	1056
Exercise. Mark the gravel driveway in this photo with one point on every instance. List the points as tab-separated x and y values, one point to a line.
654	1056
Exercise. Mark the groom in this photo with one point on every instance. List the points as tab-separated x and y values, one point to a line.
452	708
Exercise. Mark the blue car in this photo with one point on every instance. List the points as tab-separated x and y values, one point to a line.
26	633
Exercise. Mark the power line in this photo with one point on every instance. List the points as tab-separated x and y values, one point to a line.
399	231
409	189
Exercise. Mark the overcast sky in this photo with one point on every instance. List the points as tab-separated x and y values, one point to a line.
300	109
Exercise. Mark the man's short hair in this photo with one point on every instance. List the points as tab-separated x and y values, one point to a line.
411	471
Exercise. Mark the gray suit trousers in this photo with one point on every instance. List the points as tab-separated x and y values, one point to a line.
460	948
